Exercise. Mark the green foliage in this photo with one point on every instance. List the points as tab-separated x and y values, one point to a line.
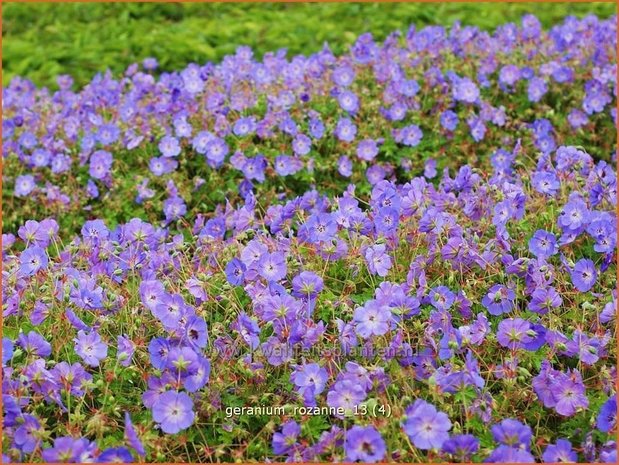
42	40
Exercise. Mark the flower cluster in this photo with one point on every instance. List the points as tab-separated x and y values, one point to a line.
416	239
279	126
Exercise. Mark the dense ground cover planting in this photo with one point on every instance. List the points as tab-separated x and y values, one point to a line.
43	40
408	248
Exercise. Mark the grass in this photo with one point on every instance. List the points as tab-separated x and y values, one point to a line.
42	40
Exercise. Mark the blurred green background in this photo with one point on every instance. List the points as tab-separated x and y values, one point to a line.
42	40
